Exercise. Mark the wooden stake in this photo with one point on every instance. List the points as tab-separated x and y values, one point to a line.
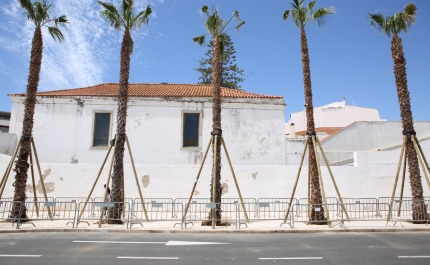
40	174
108	178
321	181
421	160
235	180
297	179
309	189
332	179
402	151
136	178
214	180
9	167
403	184
197	179
425	160
34	183
95	183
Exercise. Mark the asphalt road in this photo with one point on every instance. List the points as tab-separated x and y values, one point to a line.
125	248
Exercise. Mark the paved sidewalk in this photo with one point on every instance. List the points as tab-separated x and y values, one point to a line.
252	227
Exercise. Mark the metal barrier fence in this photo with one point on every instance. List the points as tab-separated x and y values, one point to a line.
282	201
158	200
366	211
5	210
199	212
127	210
101	213
334	212
50	210
402	210
226	201
155	211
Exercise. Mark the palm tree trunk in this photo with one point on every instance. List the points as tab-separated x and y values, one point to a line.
118	166
419	210
216	126
21	165
316	198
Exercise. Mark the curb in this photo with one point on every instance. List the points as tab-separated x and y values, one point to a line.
373	230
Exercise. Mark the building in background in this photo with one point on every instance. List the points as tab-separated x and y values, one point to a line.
4	121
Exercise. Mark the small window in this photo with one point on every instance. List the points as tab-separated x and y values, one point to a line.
4	129
191	130
101	129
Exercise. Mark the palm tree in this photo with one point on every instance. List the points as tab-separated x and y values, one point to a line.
216	28
38	13
392	26
300	15
124	19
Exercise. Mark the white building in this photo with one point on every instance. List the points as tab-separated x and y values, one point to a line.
166	124
336	114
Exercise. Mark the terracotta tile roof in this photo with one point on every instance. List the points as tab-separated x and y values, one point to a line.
151	90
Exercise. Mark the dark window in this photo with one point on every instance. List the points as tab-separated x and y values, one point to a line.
101	129
191	130
4	129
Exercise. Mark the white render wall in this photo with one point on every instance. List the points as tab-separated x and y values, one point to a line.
8	143
252	129
336	116
372	176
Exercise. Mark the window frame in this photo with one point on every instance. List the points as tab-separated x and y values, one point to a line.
191	148
93	127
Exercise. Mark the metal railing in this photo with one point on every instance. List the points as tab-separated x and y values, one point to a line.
5	211
334	213
200	212
50	210
403	210
102	214
366	211
155	211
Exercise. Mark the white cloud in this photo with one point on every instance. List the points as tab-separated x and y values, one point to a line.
90	48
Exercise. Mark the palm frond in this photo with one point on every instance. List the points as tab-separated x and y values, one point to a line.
205	9
56	34
142	17
41	10
62	19
311	5
29	11
110	14
239	26
378	22
286	14
200	40
320	15
235	15
410	9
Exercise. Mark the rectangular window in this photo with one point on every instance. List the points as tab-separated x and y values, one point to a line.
191	123
101	129
4	129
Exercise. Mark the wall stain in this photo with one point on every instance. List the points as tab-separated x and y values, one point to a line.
147	116
262	139
224	188
61	179
138	123
254	175
49	186
145	181
196	192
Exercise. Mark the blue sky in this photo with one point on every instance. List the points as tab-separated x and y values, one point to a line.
348	57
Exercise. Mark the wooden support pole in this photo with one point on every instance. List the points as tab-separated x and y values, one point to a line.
136	178
95	183
309	189
297	179
332	179
235	180
197	179
214	180
9	167
421	160
108	178
425	160
403	184
402	151
321	181
42	182
34	183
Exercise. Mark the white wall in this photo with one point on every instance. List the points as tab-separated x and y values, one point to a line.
335	116
252	129
8	143
373	176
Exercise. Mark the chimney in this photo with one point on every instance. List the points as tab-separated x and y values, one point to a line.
292	130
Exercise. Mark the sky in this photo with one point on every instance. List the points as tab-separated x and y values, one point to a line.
348	57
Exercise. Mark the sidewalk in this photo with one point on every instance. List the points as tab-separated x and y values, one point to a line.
252	227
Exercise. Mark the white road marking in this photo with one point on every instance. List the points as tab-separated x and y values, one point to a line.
414	257
118	242
293	258
23	256
188	243
147	257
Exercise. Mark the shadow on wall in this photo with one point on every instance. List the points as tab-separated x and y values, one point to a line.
8	143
